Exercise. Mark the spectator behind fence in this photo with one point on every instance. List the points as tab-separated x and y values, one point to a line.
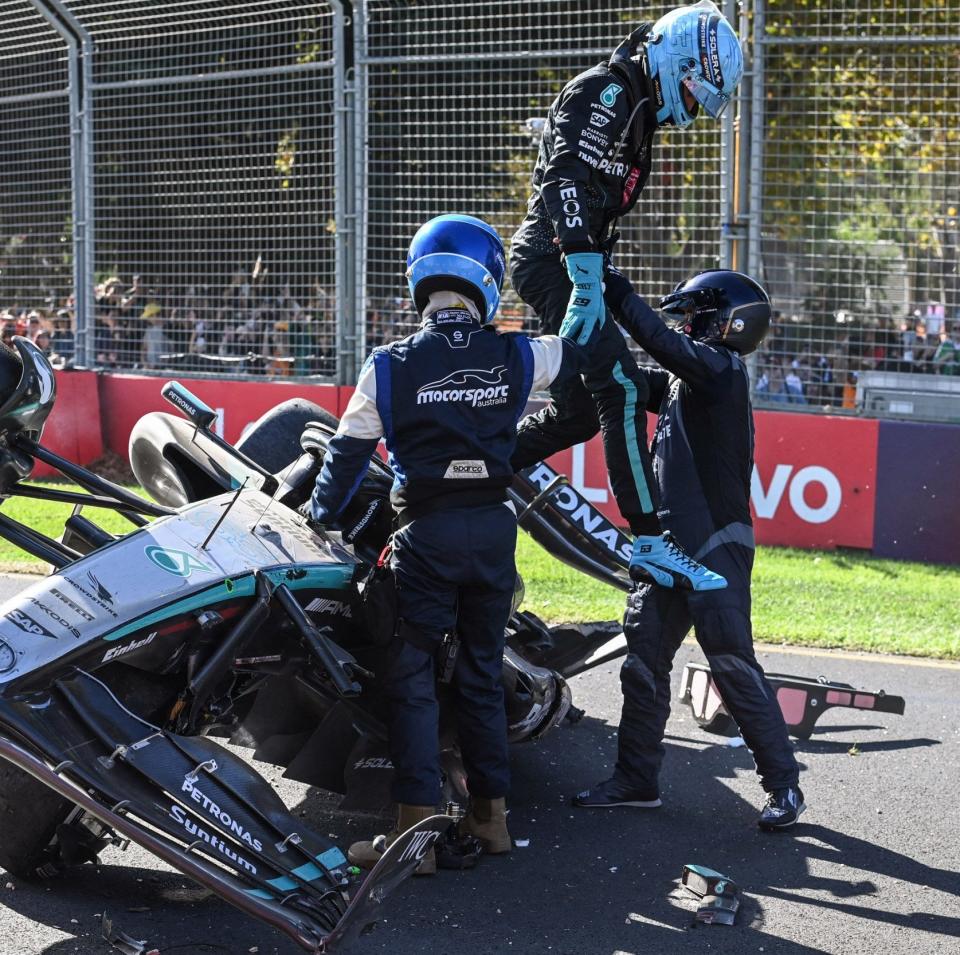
63	341
155	344
793	385
42	341
946	359
771	380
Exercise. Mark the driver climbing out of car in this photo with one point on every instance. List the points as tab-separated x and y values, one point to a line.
702	460
447	400
594	161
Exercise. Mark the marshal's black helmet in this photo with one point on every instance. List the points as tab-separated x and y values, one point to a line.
720	307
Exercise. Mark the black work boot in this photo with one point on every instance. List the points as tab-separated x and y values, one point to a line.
782	810
612	792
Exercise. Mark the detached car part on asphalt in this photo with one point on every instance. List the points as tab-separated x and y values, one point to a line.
719	895
801	699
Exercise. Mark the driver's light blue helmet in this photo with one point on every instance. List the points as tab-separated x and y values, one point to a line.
693	47
457	254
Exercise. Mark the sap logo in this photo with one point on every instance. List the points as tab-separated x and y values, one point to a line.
176	562
609	96
221	815
419	845
571	203
490	391
599	120
28	625
212	840
128	648
581	513
766	502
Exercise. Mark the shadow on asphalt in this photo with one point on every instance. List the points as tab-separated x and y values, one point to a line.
872	746
589	882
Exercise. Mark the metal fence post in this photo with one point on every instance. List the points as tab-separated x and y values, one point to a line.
361	207
755	226
343	205
728	173
80	71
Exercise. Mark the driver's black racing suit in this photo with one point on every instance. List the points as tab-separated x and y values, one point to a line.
594	160
702	459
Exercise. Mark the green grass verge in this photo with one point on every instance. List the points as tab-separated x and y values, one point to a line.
833	599
808	598
47	517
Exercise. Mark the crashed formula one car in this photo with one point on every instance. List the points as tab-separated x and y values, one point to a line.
222	613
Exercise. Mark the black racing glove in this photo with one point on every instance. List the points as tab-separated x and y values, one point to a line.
306	510
616	287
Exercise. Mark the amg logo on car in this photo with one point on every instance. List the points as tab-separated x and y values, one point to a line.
487	387
28	625
181	818
127	648
75	607
335	607
221	815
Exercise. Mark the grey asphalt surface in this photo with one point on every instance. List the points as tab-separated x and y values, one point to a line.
873	866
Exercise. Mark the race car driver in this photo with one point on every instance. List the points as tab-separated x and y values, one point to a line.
447	399
702	460
594	160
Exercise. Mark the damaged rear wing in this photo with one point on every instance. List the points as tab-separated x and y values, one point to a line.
802	700
567	525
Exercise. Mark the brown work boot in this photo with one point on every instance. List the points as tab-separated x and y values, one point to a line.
487	821
367	854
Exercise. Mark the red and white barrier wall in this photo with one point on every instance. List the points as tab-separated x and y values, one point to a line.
819	481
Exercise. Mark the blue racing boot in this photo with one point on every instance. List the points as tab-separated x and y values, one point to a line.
661	560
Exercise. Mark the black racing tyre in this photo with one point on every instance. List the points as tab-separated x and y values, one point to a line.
29	816
273	440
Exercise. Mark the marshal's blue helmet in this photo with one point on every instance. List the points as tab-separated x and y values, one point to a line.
693	47
457	254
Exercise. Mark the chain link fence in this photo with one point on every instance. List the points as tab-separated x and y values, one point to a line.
246	175
36	228
454	97
860	195
214	186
